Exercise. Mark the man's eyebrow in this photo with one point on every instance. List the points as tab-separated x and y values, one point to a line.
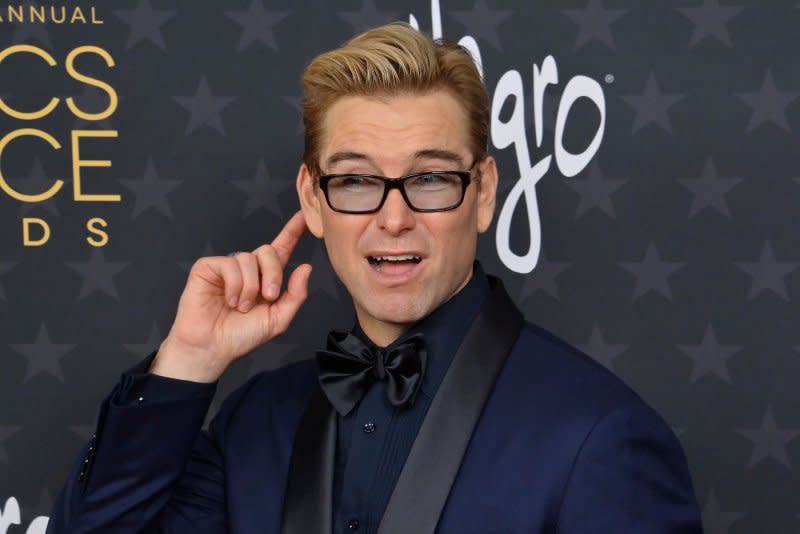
441	154
345	155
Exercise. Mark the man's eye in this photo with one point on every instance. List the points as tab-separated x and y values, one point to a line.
434	180
354	182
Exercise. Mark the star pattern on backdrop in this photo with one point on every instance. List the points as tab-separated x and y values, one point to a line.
83	432
709	190
367	17
5	433
43	355
715	521
543	278
145	23
652	106
35	183
262	192
41	508
710	357
594	191
5	267
204	108
710	20
768	274
27	33
296	102
98	274
652	273
92	100
151	191
768	104
594	22
152	343
208	250
769	441
257	24
603	352
483	23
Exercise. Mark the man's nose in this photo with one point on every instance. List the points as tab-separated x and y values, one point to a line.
395	216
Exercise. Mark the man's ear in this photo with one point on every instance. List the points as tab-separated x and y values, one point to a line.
310	203
487	195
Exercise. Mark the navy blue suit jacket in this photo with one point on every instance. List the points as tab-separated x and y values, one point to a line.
558	444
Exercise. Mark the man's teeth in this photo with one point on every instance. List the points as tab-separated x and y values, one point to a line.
406	257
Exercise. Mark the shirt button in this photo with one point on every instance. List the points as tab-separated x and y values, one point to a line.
353	524
369	428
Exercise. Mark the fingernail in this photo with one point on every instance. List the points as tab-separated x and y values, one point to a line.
232	302
272	291
245	305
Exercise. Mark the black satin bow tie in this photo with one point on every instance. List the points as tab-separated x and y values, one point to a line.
349	367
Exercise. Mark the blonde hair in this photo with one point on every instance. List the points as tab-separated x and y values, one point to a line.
387	61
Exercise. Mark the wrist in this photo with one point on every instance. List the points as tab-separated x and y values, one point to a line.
174	360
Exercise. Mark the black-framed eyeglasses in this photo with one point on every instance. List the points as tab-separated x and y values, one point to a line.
423	191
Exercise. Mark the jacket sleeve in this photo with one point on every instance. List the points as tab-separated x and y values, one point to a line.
630	476
149	467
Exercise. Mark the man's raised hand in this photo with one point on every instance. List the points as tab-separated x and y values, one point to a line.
232	305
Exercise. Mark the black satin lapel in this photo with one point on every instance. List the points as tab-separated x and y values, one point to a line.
309	487
435	457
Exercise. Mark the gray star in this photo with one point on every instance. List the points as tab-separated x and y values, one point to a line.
297	104
257	24
31	32
145	23
5	433
5	266
710	21
715	521
208	250
271	356
603	352
143	349
769	440
710	357
92	100
652	273
594	21
43	355
543	278
595	191
84	432
368	17
709	190
769	104
43	507
768	273
35	183
482	22
98	274
652	105
150	191
262	192
204	108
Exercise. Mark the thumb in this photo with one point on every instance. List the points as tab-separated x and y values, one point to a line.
286	307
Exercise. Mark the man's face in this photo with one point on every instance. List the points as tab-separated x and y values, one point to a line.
393	137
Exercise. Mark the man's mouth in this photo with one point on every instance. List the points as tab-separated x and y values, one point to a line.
391	263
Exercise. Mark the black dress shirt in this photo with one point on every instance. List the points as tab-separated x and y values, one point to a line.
374	439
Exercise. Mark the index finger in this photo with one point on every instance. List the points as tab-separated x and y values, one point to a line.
288	237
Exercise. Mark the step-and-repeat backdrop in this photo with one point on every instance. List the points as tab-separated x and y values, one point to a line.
648	206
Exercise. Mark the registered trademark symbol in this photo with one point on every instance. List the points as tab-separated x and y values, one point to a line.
609	78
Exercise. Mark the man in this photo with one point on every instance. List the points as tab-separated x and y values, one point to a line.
440	411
